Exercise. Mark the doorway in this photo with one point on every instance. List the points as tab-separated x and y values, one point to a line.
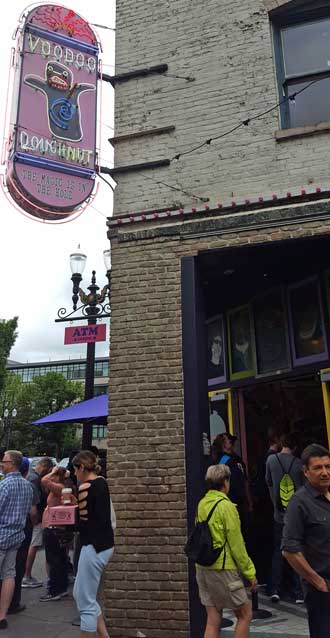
292	405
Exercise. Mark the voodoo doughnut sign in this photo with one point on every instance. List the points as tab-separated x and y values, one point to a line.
51	151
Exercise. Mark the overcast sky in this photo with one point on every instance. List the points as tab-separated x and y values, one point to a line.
34	257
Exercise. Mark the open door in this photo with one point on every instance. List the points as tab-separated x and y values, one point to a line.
325	381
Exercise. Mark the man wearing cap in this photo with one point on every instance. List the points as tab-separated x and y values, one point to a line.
16	496
35	475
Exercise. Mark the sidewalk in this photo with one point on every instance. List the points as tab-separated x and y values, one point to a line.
42	620
288	620
53	619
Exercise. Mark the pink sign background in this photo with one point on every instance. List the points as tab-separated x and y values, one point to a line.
33	120
85	334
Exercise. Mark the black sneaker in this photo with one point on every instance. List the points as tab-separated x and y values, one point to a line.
16	610
275	597
49	597
3	624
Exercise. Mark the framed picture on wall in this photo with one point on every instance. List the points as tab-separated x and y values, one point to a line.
220	411
241	343
216	359
327	290
271	332
307	331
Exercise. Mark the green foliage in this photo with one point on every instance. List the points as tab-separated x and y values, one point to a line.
8	336
47	393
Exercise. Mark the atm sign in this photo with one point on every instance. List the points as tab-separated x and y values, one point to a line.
85	334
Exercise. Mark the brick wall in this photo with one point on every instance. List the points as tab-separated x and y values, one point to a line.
227	47
146	585
148	580
228	50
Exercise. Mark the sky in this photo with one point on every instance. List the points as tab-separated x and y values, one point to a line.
34	257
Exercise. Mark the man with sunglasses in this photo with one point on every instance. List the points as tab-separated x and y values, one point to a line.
16	497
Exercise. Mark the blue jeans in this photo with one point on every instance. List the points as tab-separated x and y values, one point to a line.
90	567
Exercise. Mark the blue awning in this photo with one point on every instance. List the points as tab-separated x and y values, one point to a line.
93	410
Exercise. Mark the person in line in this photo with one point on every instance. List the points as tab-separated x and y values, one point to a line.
15	606
277	465
221	585
16	496
35	475
306	537
55	544
239	493
274	442
97	542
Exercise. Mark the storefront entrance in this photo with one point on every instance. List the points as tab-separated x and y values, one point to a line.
292	405
256	344
298	405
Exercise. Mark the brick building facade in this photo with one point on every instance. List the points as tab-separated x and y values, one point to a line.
253	206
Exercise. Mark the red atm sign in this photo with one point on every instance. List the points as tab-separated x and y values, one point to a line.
85	334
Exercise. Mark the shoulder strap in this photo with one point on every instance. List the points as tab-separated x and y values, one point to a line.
291	465
278	458
224	459
213	508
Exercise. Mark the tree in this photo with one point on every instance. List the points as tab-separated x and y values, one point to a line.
8	336
46	393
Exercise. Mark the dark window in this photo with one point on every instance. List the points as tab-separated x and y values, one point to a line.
99	431
303	65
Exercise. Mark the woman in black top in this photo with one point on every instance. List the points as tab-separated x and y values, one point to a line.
97	541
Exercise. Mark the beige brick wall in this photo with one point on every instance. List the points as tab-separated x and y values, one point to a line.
227	47
146	585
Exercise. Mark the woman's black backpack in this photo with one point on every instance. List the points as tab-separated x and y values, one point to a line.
199	547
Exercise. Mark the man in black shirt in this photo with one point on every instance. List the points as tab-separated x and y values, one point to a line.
306	537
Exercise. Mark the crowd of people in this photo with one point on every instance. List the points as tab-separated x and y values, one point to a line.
299	490
77	552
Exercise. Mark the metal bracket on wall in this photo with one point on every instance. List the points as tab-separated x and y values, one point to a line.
132	75
135	167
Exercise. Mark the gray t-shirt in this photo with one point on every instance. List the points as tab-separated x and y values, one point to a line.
274	473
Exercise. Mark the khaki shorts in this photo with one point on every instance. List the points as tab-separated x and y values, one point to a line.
8	563
221	588
37	536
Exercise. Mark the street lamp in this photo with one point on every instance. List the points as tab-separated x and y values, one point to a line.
7	419
94	305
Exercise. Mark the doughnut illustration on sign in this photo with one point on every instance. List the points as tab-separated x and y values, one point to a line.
62	100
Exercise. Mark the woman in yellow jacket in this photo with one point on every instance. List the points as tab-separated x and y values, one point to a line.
221	585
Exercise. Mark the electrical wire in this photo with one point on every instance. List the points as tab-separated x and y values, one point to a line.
175	188
98	211
102	26
106	181
247	121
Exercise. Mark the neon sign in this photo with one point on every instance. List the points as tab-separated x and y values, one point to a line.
51	153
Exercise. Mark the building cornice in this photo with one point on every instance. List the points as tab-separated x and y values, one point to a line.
214	223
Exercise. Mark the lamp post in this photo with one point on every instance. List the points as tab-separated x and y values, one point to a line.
94	305
7	418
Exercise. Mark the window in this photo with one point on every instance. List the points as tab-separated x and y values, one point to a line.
303	66
99	431
101	368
